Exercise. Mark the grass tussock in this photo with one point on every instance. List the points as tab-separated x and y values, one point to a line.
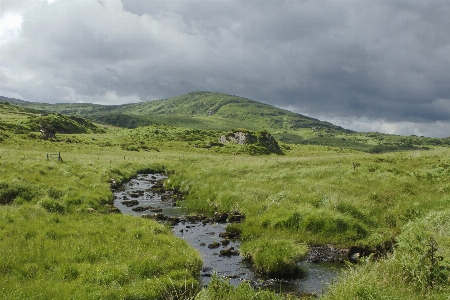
275	258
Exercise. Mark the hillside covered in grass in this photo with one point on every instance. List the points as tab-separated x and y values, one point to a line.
222	112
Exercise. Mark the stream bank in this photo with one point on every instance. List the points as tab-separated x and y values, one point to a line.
146	197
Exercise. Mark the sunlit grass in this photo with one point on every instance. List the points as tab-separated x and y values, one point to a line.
66	256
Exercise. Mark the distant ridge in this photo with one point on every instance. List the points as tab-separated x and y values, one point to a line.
12	100
211	111
200	109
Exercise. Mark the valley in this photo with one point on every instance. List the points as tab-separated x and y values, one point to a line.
61	236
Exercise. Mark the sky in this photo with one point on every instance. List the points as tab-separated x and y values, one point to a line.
366	65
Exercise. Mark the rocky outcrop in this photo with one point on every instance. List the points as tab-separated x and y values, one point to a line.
239	137
262	139
266	140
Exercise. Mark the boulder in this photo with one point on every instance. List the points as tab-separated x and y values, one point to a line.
262	138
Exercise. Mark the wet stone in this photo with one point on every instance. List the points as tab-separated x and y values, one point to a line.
157	217
220	217
136	194
130	203
326	253
235	218
214	245
147	208
173	220
113	209
194	218
229	234
229	252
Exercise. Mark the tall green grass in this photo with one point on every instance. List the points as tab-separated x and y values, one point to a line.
317	196
90	256
311	195
419	268
221	289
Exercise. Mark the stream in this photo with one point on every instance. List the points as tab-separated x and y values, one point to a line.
145	196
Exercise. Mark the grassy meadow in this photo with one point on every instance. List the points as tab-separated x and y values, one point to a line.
58	239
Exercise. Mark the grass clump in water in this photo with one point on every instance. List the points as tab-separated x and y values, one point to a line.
274	257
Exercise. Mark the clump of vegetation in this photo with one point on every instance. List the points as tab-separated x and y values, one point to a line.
275	258
51	124
17	189
417	269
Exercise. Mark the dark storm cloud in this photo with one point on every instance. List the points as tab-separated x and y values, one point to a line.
380	65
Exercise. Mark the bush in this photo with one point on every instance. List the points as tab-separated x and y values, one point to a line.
52	205
9	192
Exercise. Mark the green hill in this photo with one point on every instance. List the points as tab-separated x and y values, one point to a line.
23	120
202	110
224	112
217	111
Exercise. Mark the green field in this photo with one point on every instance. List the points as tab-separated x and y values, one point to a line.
58	239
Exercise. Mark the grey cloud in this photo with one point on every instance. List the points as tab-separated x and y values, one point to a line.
381	60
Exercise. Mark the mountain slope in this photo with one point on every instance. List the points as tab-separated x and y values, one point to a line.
208	110
220	109
217	111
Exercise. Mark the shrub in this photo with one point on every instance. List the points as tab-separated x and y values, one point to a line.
54	193
9	192
52	205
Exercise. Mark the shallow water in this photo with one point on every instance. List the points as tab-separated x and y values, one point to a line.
199	236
